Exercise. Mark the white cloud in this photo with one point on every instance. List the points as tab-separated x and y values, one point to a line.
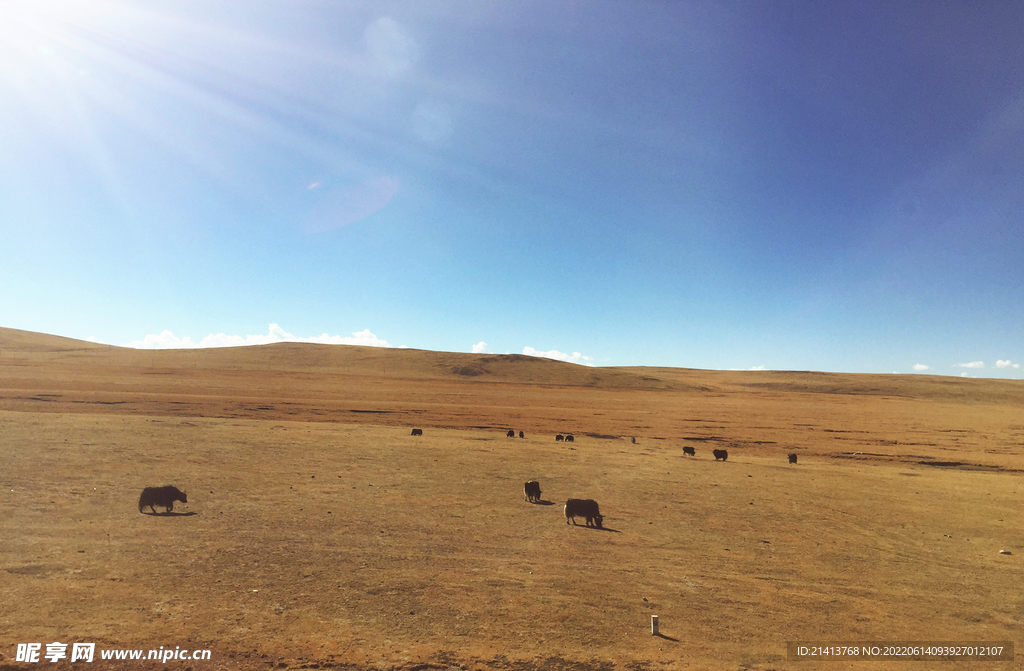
1006	364
920	367
964	374
167	340
480	347
575	357
224	340
363	337
95	340
973	364
163	340
761	367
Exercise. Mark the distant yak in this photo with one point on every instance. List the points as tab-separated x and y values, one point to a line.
559	438
532	491
586	508
569	438
720	454
792	458
417	432
522	435
690	451
161	496
633	439
511	433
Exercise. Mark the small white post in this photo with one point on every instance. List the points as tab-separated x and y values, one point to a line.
654	625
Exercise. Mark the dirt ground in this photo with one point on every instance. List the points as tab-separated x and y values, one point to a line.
319	533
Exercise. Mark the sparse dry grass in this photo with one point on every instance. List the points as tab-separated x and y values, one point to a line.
319	532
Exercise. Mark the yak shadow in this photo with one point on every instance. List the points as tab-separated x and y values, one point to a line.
584	526
171	514
544	503
667	638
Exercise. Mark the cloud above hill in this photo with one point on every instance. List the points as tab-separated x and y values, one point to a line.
972	364
1006	364
575	357
167	340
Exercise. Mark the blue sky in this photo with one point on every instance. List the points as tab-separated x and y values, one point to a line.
794	185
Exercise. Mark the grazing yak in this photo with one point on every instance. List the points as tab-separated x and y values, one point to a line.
586	508
559	438
792	458
690	451
511	433
720	454
569	438
522	435
161	496
417	432
532	491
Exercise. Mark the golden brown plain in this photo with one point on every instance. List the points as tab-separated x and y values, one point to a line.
319	532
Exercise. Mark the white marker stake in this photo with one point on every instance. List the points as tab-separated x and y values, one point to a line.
654	625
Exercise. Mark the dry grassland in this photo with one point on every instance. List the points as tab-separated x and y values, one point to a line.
319	534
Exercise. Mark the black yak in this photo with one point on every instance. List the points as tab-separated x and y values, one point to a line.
690	451
417	432
720	454
522	435
511	433
559	438
532	491
569	438
161	496
792	458
584	508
